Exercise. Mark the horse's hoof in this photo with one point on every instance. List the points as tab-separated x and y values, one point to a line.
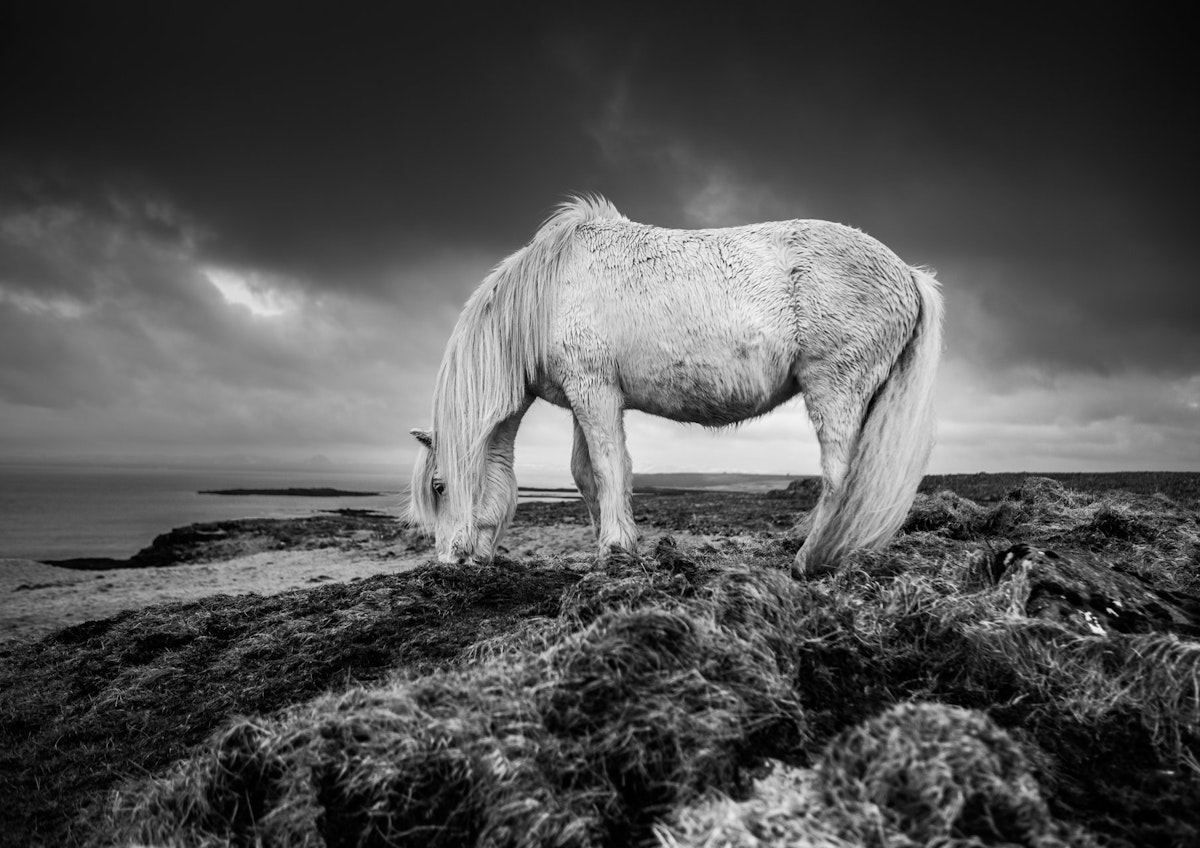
615	556
807	571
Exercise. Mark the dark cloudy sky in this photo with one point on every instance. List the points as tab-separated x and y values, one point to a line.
249	227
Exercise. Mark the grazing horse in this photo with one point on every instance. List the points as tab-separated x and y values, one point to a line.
598	314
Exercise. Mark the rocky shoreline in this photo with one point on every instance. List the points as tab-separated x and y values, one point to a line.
292	493
209	541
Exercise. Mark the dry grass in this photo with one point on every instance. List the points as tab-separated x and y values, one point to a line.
918	774
698	696
98	703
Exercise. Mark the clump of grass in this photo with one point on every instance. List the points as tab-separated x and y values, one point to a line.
925	773
83	708
660	705
429	763
587	742
1040	505
1148	679
946	513
1041	509
1115	522
917	774
598	592
938	632
813	634
1116	718
782	809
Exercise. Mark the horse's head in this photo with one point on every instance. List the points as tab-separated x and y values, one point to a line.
466	519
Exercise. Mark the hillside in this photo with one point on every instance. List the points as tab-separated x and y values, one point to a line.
947	690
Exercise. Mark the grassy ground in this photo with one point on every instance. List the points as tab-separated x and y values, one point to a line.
694	696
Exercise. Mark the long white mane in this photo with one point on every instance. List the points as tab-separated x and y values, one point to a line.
496	349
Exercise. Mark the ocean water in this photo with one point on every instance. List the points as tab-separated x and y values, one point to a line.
65	511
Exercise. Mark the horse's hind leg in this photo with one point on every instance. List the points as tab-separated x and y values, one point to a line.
585	478
599	414
836	412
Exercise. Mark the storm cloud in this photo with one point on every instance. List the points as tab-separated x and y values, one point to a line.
251	230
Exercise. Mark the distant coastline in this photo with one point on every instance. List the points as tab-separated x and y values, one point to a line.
294	493
76	511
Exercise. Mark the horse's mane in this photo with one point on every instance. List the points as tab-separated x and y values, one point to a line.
497	347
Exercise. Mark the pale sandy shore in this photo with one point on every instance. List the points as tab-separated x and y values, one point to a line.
37	599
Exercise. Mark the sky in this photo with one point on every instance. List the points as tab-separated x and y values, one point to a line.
248	228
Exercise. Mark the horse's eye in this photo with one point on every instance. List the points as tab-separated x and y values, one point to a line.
439	488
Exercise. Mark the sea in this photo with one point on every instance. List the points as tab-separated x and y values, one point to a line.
63	511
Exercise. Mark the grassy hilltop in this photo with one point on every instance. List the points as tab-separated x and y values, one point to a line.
931	693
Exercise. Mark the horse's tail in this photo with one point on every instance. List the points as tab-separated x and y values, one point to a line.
891	452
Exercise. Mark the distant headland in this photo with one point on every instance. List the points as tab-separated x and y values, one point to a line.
294	493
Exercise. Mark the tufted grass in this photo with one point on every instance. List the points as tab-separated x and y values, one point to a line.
694	696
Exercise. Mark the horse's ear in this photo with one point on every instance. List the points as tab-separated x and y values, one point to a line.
424	437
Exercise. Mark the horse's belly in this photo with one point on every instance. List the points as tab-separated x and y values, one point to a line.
700	350
714	387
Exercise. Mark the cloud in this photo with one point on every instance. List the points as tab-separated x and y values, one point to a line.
1097	312
262	297
117	337
1067	421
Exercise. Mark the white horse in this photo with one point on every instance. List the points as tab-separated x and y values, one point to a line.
598	314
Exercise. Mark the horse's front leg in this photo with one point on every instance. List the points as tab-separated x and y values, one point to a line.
599	417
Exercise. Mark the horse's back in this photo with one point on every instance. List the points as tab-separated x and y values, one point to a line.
752	266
